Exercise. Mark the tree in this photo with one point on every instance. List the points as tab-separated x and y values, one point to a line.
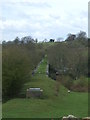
17	40
36	40
68	59
71	37
18	63
51	40
81	35
82	38
4	42
27	39
16	68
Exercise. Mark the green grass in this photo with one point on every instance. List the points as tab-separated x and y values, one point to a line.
42	68
0	109
50	106
56	107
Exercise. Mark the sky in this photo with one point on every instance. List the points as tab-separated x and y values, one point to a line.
42	19
89	19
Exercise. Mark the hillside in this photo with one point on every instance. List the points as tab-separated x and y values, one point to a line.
50	106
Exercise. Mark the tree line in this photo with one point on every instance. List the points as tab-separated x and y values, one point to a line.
19	59
70	59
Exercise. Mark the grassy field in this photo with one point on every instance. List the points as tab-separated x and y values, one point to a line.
0	109
50	106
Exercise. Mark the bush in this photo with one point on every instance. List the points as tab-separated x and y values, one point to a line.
80	84
67	81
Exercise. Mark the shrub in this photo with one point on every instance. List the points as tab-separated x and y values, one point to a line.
67	81
80	84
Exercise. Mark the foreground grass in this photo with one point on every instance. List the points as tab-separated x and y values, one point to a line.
50	106
73	103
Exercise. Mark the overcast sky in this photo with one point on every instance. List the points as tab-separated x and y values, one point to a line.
42	18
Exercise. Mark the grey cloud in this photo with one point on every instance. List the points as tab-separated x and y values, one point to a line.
18	10
89	19
39	5
27	4
40	17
